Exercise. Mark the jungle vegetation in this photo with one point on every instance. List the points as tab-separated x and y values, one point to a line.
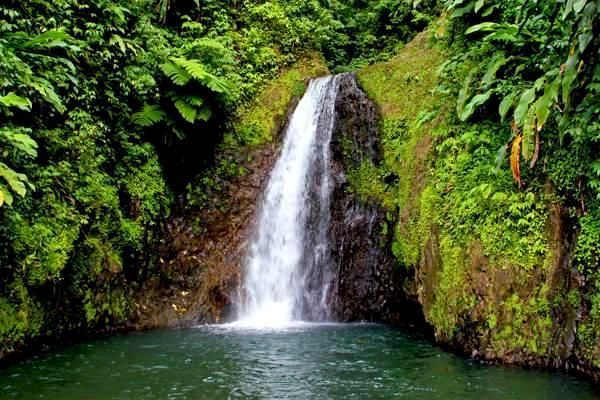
116	113
109	109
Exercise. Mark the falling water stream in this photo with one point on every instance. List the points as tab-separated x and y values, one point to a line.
290	247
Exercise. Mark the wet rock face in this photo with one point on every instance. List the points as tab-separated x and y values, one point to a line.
201	254
203	267
367	283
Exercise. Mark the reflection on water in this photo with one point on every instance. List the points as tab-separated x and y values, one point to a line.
302	361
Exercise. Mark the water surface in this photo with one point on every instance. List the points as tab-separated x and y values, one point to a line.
297	362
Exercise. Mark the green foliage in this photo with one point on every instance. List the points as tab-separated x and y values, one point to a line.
148	116
541	62
257	121
23	60
526	324
535	62
254	124
587	256
376	30
403	89
453	298
187	76
76	154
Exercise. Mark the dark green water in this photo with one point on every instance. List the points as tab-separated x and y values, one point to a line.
305	362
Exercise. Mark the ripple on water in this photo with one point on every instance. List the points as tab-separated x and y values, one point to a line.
303	361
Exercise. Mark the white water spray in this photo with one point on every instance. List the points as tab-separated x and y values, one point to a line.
290	248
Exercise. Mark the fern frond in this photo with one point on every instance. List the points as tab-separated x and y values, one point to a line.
193	67
197	71
148	115
176	73
187	111
196	101
216	84
204	114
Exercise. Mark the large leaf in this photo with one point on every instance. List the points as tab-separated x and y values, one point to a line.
501	155
529	133
504	33
578	5
502	36
568	8
475	102
459	12
176	73
506	105
483	27
455	3
15	180
463	94
521	111
569	77
478	5
494	65
13	100
584	40
20	141
45	89
148	115
48	39
544	104
187	111
5	196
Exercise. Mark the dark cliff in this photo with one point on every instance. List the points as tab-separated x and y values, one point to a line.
367	283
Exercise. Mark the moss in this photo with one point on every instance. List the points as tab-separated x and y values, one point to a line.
588	334
525	324
259	121
402	87
21	317
496	254
366	181
453	298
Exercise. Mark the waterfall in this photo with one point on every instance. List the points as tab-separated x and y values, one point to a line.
286	275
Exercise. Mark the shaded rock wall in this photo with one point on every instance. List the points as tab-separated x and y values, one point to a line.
553	341
367	283
201	255
202	251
